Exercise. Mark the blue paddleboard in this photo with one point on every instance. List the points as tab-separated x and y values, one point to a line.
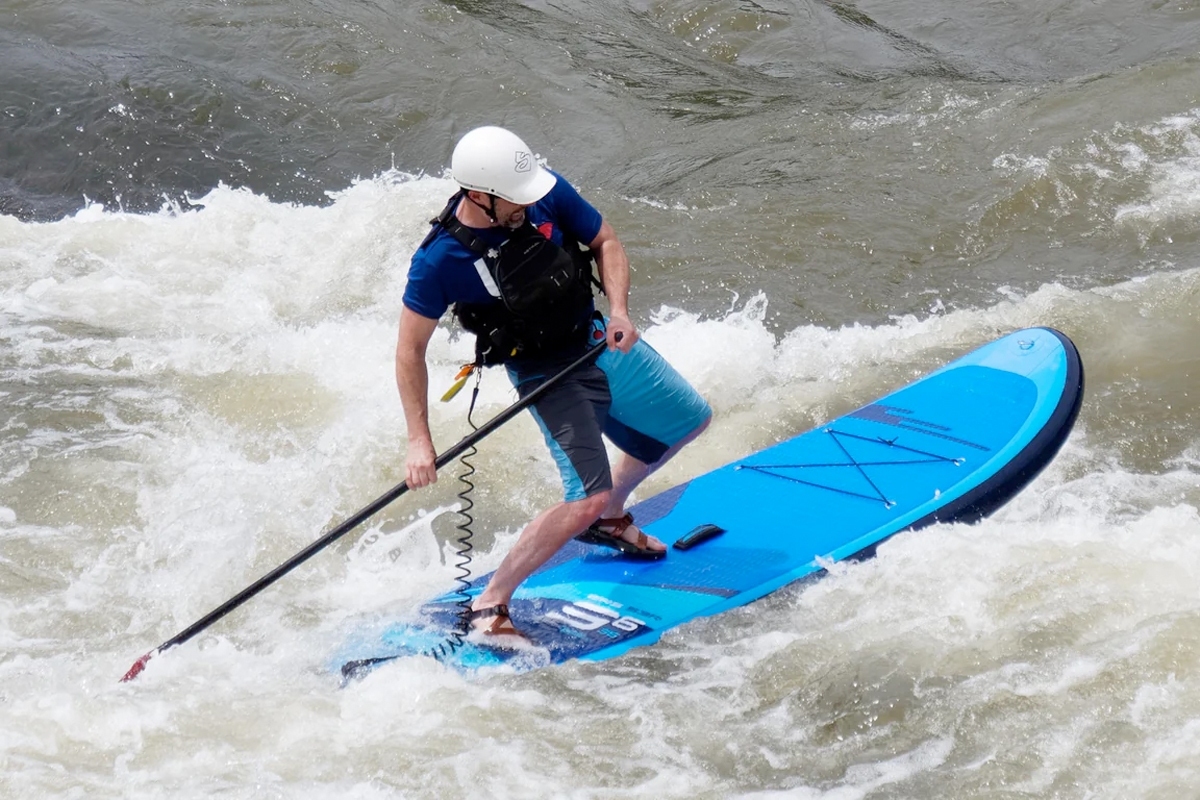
953	446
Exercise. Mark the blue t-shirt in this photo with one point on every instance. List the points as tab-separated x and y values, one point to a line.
444	271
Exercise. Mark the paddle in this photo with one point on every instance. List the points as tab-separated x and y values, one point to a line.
359	517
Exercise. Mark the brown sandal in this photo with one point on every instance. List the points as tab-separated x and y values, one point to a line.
613	537
502	625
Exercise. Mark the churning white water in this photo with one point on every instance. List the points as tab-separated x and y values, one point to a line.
191	397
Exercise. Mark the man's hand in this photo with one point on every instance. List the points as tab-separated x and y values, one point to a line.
420	468
621	333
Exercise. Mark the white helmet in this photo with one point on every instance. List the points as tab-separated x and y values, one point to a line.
496	161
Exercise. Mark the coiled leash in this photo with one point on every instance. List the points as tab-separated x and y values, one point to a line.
456	637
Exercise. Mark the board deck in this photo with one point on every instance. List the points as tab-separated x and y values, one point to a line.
952	446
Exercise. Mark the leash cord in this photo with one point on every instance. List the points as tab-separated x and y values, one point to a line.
465	546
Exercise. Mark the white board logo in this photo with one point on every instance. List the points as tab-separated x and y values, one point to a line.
590	616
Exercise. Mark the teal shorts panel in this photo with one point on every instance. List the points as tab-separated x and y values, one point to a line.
650	396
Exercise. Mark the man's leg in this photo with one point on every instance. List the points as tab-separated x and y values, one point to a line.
571	418
629	472
655	413
541	539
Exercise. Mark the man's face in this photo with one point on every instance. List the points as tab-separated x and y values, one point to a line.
509	214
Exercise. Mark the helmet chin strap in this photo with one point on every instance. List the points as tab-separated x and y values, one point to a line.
489	209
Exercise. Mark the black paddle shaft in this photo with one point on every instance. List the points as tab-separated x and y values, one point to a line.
362	515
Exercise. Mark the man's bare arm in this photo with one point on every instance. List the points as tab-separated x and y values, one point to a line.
614	275
412	379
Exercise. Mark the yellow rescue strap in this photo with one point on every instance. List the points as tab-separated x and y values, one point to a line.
460	380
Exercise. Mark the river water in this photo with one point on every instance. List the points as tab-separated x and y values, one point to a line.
206	215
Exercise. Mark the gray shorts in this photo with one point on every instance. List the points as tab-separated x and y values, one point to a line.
636	399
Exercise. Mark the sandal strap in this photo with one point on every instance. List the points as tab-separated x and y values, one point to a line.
616	524
491	611
502	625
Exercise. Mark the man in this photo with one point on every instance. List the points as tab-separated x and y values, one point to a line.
504	253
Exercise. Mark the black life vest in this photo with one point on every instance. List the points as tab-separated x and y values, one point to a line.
545	301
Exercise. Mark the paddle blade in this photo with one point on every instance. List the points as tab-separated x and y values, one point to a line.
137	667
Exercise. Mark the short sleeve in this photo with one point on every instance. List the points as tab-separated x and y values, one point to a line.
573	213
423	293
